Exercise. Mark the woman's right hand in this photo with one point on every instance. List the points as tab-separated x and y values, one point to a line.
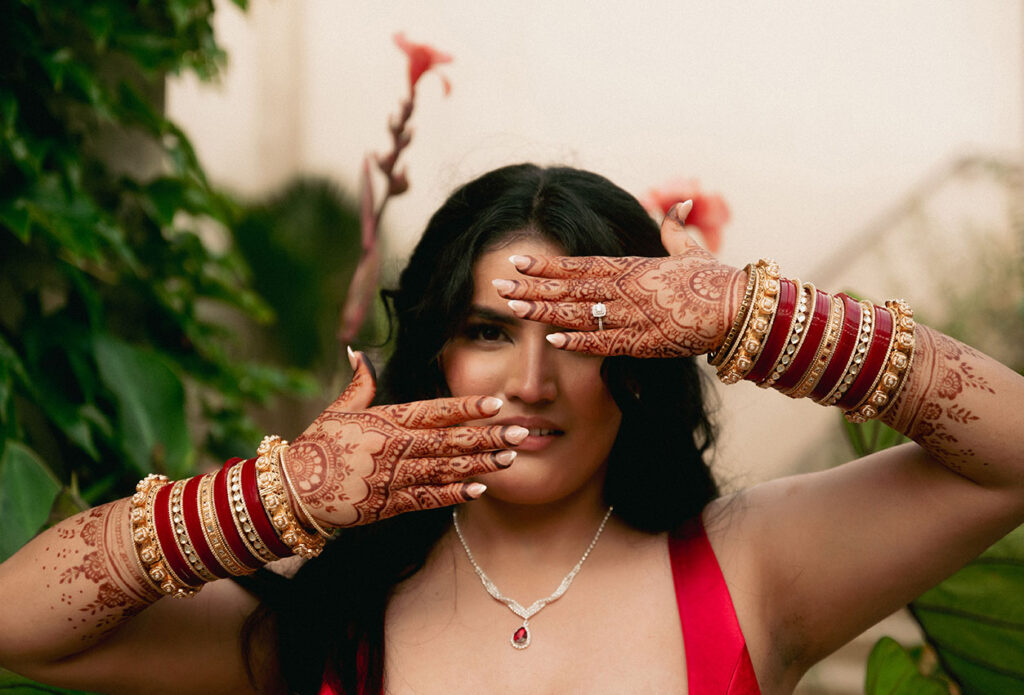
356	465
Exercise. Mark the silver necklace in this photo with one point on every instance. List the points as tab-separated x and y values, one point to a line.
521	637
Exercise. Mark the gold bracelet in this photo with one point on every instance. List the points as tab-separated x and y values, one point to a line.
902	361
144	535
717	357
276	502
796	328
897	359
240	515
298	500
864	336
762	310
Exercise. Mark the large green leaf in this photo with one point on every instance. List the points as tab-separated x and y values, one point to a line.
150	407
975	620
27	491
13	684
893	670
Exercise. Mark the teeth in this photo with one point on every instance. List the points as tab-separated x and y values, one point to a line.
540	432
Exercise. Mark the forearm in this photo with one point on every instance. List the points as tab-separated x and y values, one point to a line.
964	408
70	586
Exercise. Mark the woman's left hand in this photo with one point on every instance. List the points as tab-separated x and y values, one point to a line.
672	306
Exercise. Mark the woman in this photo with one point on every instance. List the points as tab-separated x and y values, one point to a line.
569	457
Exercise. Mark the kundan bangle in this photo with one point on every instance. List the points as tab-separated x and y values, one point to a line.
823	356
181	534
778	331
843	354
240	514
278	506
874	361
808	347
796	334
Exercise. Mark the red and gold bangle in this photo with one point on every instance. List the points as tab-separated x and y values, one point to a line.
778	331
874	362
213	522
243	524
724	351
181	534
865	335
177	566
897	362
805	293
259	514
808	346
194	526
762	310
278	506
845	349
826	348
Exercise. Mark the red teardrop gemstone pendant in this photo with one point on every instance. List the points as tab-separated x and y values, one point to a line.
521	638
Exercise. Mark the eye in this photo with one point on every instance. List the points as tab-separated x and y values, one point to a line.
485	332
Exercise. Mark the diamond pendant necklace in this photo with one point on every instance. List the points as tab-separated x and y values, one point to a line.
521	637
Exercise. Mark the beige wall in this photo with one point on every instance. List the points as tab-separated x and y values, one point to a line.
811	118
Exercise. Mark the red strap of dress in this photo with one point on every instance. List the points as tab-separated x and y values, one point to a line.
717	661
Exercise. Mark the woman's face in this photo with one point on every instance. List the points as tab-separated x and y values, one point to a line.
559	396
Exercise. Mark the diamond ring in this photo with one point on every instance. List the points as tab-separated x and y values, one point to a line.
599	311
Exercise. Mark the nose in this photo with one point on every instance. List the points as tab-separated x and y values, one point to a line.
533	374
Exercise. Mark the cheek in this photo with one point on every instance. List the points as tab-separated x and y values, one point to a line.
468	375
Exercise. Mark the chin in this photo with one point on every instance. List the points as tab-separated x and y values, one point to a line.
534	482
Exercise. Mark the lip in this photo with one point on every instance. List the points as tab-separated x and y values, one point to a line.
534	442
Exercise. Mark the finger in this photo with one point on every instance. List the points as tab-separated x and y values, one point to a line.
451	441
620	341
441	471
361	390
674	237
589	289
434	496
442	412
570	266
577	315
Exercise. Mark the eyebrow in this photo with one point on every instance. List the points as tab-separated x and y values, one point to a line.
482	312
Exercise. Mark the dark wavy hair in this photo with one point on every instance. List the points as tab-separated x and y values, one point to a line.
329	618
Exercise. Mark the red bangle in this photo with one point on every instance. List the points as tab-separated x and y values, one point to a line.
194	526
874	362
776	340
258	513
844	350
815	332
226	523
165	535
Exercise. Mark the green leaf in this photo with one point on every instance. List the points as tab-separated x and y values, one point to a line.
892	670
975	620
13	684
27	491
150	407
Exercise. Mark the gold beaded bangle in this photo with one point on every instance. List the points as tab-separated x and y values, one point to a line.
864	335
298	500
823	356
902	360
901	347
793	333
240	515
276	502
143	534
717	357
762	310
148	544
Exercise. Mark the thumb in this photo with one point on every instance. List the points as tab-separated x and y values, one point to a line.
674	237
363	387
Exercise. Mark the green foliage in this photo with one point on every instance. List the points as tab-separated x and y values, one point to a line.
111	363
895	670
975	620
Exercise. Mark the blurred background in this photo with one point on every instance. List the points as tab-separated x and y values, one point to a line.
874	147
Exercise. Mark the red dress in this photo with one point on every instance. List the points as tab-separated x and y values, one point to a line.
717	661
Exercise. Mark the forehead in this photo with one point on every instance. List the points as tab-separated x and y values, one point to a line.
494	264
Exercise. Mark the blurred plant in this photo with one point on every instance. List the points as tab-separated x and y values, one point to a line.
363	286
107	354
709	214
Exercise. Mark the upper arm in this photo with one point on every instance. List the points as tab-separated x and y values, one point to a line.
813	560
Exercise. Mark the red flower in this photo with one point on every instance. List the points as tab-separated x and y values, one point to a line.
709	213
422	58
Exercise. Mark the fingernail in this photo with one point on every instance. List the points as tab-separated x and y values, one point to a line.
518	308
491	404
352	359
503	286
681	210
520	262
505	458
515	434
556	339
474	490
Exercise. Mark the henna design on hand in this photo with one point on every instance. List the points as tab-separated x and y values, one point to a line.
355	464
671	306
